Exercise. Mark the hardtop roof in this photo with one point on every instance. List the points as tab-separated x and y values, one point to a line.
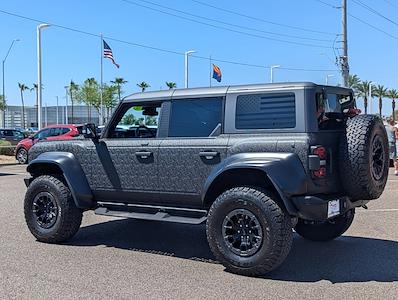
217	91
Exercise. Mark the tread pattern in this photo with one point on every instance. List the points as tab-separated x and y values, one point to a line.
69	216
280	233
354	158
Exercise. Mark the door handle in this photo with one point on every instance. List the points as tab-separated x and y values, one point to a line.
143	154
208	154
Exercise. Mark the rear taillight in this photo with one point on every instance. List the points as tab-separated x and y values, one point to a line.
320	173
320	152
317	160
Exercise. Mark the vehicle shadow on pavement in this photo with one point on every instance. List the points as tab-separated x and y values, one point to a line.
346	259
171	239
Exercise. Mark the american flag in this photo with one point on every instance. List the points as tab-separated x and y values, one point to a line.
108	53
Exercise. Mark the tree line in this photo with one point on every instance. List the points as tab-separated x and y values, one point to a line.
362	88
88	93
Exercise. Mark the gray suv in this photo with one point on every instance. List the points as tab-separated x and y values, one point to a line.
253	162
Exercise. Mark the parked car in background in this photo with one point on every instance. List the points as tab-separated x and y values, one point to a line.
50	133
11	135
32	130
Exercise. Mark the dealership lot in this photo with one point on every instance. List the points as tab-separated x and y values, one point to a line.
112	258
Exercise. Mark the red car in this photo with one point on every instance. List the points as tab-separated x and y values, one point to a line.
50	133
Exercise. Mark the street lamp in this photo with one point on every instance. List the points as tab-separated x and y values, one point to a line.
4	93
39	85
272	72
327	78
57	111
66	104
186	66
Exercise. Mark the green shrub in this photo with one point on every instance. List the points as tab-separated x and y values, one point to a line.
6	148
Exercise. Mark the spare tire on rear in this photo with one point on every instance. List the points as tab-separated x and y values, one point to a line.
364	157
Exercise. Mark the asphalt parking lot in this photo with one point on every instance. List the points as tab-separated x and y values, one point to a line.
129	259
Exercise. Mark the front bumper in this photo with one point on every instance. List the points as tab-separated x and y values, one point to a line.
314	208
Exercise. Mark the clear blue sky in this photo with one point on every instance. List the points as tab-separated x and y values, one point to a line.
70	55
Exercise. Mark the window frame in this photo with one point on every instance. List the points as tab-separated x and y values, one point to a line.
192	98
122	110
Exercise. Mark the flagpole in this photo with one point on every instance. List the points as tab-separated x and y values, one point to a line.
210	71
100	120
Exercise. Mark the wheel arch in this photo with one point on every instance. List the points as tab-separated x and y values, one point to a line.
66	165
281	173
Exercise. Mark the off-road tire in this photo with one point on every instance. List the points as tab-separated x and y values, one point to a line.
326	230
22	158
357	160
276	228
69	217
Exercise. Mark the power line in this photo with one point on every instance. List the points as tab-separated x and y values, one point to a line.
372	26
364	5
262	20
328	4
230	24
228	29
156	48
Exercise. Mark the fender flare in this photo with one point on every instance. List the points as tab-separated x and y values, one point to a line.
72	172
284	170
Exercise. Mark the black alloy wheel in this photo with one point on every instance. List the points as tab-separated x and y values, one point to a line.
45	210
242	232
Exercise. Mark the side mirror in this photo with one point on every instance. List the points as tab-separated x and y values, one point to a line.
90	131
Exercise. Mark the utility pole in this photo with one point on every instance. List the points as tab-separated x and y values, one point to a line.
345	71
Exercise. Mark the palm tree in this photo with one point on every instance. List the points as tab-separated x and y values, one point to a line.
380	92
2	103
119	81
143	86
393	94
353	82
23	88
171	85
363	91
73	88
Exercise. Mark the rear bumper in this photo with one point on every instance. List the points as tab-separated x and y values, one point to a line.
316	209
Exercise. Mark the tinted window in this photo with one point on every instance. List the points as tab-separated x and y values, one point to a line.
64	130
18	134
42	134
8	132
266	111
195	117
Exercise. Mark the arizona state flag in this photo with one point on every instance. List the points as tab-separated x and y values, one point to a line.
216	73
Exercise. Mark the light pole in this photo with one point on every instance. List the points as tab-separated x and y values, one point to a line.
45	117
272	72
39	85
3	123
186	66
327	78
370	96
66	104
57	110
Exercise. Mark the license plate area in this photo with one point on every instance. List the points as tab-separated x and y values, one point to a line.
333	208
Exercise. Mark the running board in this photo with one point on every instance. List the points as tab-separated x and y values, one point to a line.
133	212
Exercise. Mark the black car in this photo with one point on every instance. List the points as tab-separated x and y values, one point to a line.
11	135
254	162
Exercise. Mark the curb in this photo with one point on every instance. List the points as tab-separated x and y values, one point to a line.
9	164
